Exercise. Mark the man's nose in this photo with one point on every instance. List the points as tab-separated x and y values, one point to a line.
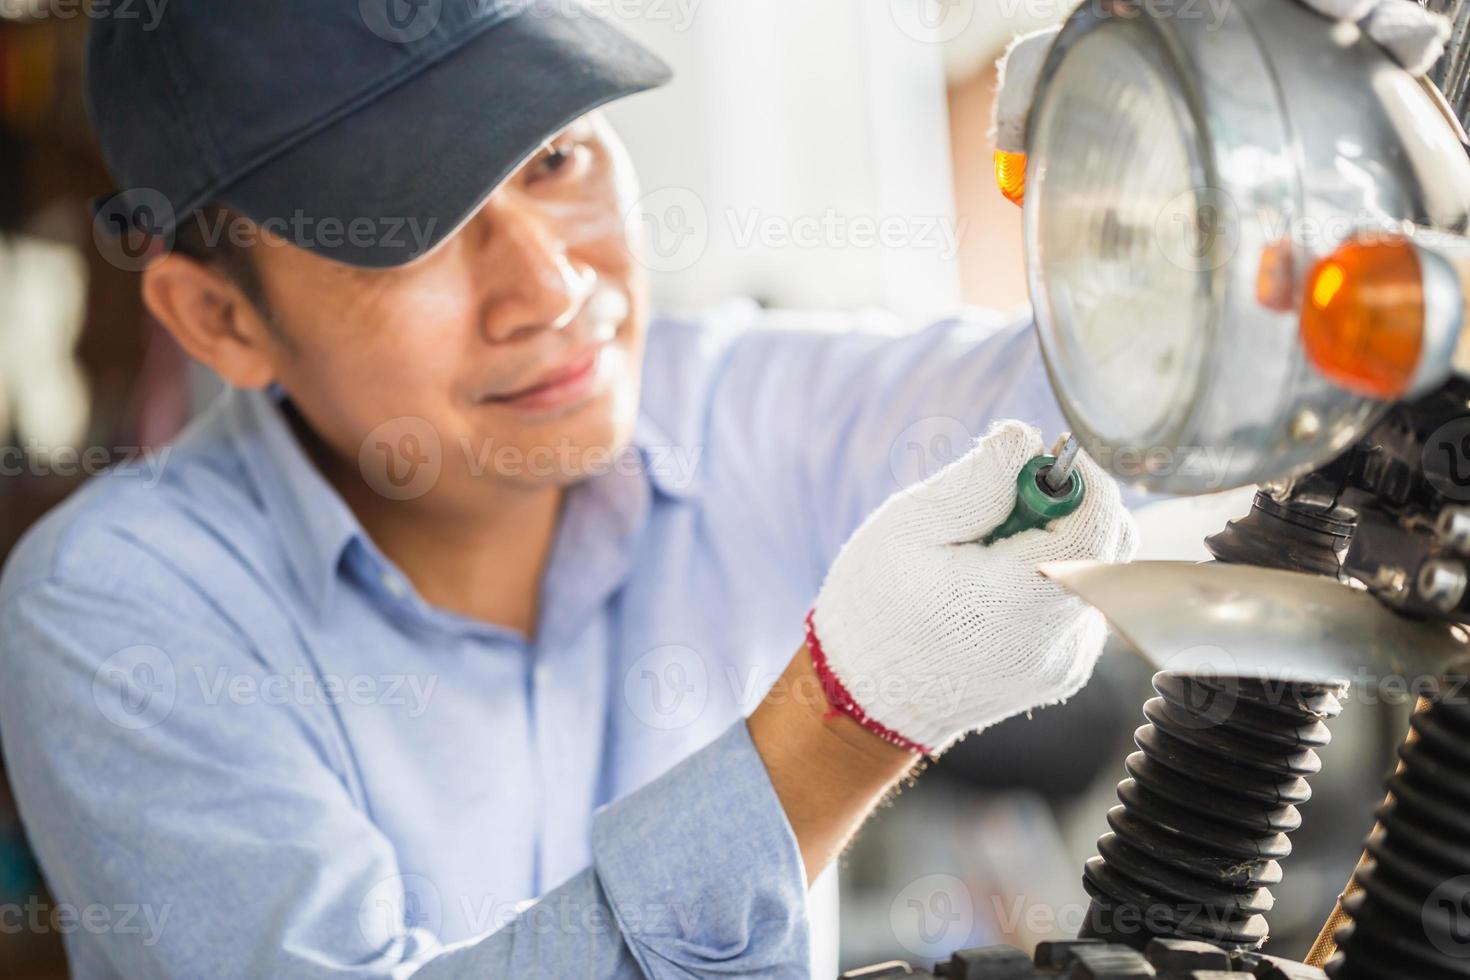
533	283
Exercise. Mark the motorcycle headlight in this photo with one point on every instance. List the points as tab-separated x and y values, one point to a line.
1184	174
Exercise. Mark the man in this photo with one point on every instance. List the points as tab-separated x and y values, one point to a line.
432	651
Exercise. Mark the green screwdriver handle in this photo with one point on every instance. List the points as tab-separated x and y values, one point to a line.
1035	506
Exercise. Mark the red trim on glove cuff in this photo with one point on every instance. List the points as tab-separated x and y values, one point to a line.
840	702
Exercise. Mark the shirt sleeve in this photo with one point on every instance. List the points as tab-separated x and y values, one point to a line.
230	829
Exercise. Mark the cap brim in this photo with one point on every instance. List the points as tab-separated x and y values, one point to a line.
386	184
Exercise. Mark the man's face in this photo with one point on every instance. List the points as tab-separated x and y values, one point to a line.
515	346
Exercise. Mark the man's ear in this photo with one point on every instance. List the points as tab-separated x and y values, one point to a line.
212	320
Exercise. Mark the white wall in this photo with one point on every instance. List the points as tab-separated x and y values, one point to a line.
823	119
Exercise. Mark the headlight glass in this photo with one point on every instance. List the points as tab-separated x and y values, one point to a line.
1117	169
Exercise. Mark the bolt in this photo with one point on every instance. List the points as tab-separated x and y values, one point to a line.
1277	490
1306	426
1392	582
1441	583
1453	528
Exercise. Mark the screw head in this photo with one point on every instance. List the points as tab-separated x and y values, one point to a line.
1392	582
1453	528
1306	426
1441	583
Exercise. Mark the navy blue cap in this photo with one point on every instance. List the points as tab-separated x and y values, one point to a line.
365	130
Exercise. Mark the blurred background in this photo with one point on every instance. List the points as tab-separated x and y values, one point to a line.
820	155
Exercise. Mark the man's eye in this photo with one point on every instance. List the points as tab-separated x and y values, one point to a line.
562	161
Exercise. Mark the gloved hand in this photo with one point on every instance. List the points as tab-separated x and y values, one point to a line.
921	634
1413	36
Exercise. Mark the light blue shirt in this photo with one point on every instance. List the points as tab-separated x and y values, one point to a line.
244	746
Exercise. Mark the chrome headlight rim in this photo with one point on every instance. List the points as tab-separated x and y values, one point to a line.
1278	95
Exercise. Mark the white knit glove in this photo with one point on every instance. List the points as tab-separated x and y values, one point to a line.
1413	36
922	634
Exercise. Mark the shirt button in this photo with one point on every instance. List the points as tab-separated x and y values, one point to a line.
395	586
542	674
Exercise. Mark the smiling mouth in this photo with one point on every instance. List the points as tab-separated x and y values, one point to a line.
561	388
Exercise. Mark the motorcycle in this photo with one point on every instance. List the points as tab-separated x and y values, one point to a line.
1246	244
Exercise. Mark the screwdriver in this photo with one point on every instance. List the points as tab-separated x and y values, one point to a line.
1048	487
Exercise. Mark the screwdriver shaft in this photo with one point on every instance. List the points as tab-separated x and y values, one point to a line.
1060	472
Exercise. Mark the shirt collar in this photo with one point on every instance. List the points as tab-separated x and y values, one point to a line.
315	524
673	466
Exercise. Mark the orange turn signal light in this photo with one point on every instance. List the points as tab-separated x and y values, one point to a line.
1362	320
1010	175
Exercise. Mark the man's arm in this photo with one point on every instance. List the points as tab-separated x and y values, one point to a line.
232	831
828	772
233	824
